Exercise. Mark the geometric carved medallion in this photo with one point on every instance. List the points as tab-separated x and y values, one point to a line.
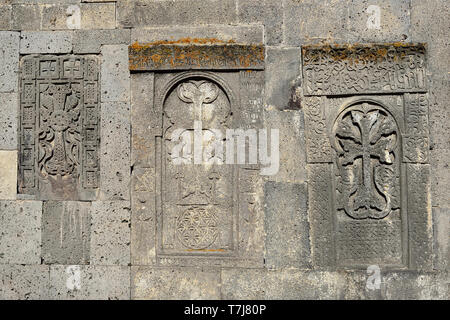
366	120
59	127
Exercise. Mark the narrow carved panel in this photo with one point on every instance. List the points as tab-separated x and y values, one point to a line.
59	127
364	69
416	141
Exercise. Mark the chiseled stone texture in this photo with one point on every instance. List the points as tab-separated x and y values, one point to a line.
286	226
5	17
98	15
174	283
8	175
8	120
110	233
91	41
23	282
76	282
26	17
46	42
9	61
20	232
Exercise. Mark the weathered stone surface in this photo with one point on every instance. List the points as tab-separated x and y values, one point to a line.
24	282
90	41
98	15
441	245
5	17
115	151
8	174
115	76
45	42
59	127
66	232
416	286
283	77
8	120
266	12
76	282
286	226
189	56
9	61
20	232
174	283
110	233
378	20
140	14
440	179
250	34
26	17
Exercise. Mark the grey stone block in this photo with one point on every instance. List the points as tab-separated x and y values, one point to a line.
26	17
24	282
441	224
8	120
90	41
440	179
286	225
110	233
89	282
239	34
8	174
394	20
46	42
44	1
98	15
5	17
283	77
174	283
140	14
115	151
66	232
20	232
416	286
311	21
9	61
115	74
267	12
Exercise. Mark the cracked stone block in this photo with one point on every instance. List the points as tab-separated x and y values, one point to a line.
110	233
79	282
8	174
20	232
174	283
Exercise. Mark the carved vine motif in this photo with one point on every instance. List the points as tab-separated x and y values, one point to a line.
197	228
365	139
59	134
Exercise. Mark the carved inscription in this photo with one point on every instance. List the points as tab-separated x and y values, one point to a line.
317	143
335	70
59	127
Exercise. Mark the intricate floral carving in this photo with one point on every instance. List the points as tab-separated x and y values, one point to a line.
197	228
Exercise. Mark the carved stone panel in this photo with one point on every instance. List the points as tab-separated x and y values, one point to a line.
59	123
198	211
358	150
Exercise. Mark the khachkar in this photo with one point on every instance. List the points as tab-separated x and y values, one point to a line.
188	211
366	117
59	122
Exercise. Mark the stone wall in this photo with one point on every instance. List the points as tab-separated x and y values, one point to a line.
91	206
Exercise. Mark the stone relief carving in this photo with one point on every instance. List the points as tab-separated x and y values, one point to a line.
59	127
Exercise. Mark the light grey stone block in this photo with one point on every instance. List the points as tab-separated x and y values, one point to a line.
441	245
110	233
283	77
266	12
115	74
286	225
8	175
416	286
8	120
24	282
5	17
9	61
115	151
98	15
20	232
90	41
26	17
139	14
77	282
174	283
46	42
239	34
